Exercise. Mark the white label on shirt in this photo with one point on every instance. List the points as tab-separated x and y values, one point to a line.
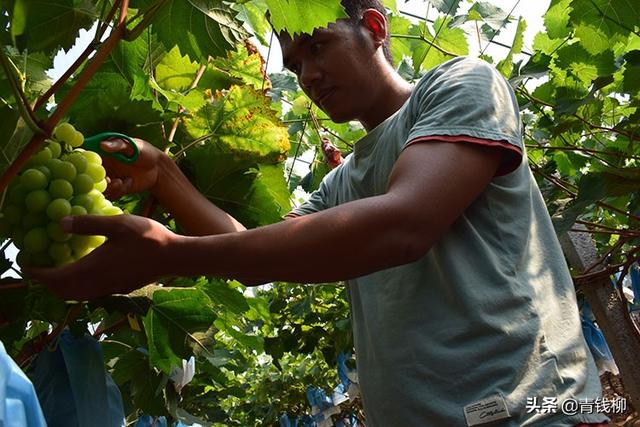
486	410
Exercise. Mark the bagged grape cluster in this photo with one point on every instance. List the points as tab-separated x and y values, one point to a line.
61	179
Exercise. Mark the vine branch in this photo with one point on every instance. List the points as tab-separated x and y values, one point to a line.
42	101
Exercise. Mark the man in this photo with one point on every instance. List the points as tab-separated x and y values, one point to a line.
462	305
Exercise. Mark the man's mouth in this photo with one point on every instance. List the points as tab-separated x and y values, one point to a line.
324	95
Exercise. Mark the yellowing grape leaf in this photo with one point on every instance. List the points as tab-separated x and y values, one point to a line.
241	119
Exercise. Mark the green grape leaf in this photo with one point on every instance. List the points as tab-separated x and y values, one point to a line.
145	385
303	16
17	141
200	28
596	186
391	5
242	120
556	19
254	195
47	25
400	47
253	13
542	43
486	12
592	38
171	322
451	40
32	68
448	7
137	58
583	65
631	83
249	341
506	65
175	72
221	293
613	19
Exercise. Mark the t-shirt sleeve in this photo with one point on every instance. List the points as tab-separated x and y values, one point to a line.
318	201
468	100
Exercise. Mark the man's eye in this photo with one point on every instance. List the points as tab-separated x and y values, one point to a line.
315	47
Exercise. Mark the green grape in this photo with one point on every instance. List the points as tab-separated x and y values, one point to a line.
99	200
78	210
101	186
78	140
111	210
99	204
61	189
13	214
17	194
17	237
299	105
80	245
41	157
83	200
45	170
53	165
59	252
58	209
55	148
33	179
96	172
36	240
78	160
92	157
64	170
23	259
82	184
37	201
65	132
32	220
56	233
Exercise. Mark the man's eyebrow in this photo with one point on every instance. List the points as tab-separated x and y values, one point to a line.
302	38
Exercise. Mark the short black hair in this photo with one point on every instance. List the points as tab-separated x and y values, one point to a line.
355	9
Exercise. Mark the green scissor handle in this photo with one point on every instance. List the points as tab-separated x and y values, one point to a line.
92	143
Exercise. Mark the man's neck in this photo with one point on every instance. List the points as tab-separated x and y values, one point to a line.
394	92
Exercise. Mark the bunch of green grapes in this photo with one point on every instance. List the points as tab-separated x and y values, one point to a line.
61	179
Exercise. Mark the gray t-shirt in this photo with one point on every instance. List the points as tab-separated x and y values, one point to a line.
489	312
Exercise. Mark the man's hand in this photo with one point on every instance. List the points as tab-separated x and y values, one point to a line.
134	254
131	178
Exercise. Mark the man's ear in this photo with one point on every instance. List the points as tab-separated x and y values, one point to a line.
376	24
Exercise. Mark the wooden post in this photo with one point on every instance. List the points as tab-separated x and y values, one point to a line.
610	310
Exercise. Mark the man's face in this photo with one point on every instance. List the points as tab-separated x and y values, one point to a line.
333	67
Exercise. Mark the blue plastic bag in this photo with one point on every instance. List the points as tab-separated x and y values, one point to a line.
73	388
19	405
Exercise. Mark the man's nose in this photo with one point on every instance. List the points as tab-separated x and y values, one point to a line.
310	74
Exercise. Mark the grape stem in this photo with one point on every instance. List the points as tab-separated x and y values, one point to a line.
34	145
40	342
24	108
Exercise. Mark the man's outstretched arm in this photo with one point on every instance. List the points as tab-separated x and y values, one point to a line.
430	186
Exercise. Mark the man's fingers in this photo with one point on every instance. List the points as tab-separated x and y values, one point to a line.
92	225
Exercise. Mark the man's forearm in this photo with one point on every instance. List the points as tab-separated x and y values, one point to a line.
194	212
347	241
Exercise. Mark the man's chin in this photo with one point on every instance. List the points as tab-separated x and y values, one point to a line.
339	116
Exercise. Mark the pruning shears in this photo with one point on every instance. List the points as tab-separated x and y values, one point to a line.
92	143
